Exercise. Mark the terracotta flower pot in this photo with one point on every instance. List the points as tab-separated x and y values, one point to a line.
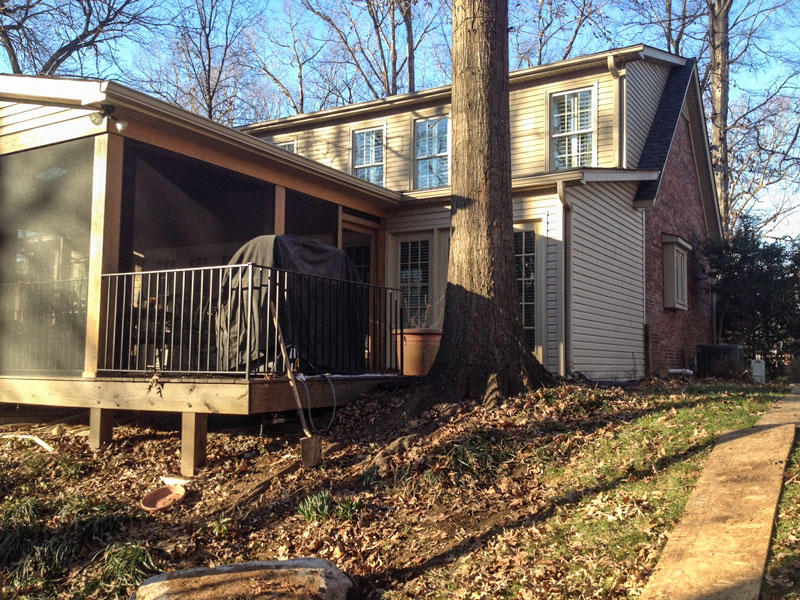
419	348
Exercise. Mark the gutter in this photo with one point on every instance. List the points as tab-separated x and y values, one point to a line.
536	182
442	93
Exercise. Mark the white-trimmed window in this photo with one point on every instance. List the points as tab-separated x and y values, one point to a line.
572	129
415	269
368	155
525	255
676	252
290	146
431	153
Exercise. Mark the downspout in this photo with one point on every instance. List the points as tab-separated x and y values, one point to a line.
565	356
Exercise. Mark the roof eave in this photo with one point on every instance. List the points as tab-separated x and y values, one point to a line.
442	93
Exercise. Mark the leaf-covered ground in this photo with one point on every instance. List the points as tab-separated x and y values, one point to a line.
563	493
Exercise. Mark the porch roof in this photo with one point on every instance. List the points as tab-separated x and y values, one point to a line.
148	116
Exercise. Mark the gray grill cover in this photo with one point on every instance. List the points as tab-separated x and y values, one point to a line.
323	321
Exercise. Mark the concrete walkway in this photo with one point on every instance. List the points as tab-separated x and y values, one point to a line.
719	548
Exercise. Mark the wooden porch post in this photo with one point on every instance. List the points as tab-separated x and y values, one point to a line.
280	210
101	428
104	241
194	429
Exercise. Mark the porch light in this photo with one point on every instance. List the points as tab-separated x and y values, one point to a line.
108	111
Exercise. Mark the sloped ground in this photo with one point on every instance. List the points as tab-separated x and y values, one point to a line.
563	493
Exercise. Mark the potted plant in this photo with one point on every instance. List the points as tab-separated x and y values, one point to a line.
420	341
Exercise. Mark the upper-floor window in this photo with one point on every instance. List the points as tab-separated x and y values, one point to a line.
368	155
431	153
572	130
290	146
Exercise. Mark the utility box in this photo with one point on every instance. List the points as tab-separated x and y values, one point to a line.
720	360
758	371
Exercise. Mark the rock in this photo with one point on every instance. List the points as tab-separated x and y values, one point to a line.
298	579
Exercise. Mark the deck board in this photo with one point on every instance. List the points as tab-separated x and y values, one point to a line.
198	395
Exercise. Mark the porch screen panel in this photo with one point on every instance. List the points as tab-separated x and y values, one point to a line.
415	281
45	218
525	253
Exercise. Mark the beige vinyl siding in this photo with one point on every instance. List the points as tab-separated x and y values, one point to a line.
418	219
529	105
24	125
332	145
644	84
606	338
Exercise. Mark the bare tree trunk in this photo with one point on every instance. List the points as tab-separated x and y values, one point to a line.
408	21
719	49
483	353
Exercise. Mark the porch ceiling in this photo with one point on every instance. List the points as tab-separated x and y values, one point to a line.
158	123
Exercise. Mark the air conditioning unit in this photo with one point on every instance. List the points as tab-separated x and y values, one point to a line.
720	360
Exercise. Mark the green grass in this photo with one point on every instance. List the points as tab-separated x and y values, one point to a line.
119	569
316	507
782	578
41	540
618	474
480	456
348	508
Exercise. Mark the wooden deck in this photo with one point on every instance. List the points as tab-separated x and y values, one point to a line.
194	398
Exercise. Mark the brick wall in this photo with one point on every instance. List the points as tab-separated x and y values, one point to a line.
675	334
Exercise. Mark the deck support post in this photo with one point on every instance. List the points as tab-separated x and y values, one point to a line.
194	429
101	427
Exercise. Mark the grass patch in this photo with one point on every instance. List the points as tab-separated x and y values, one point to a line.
348	508
119	569
782	577
480	456
316	507
40	542
617	471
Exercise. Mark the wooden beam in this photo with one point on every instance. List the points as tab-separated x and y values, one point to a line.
104	241
198	146
339	226
194	430
276	395
280	210
175	396
101	428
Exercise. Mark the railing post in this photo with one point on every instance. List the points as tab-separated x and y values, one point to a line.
249	318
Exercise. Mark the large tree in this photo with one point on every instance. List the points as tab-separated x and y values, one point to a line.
202	65
50	37
483	352
377	40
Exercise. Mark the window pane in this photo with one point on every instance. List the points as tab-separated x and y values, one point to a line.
368	155
572	113
430	147
414	269
524	250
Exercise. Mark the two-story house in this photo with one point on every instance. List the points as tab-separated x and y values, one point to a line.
613	197
121	214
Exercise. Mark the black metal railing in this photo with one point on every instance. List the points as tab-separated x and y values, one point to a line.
221	320
43	326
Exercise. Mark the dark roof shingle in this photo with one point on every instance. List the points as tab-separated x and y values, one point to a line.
659	140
